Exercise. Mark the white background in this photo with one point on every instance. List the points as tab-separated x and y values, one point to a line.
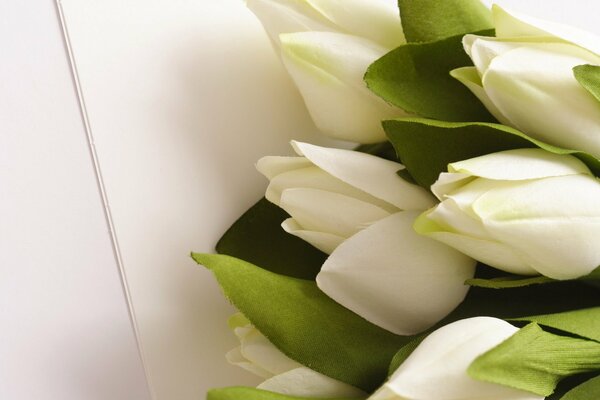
183	96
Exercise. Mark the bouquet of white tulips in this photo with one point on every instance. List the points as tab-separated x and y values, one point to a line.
453	254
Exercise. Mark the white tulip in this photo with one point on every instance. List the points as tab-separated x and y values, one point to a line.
328	69
355	207
524	76
437	369
283	375
376	20
523	211
331	194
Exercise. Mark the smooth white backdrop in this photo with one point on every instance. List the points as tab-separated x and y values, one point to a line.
183	96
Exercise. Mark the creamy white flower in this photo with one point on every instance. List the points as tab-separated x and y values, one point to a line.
326	46
437	369
355	207
283	375
524	76
331	194
523	211
375	20
328	69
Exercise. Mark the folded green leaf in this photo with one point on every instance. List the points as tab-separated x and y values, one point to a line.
258	238
514	281
416	77
589	77
584	323
426	146
305	324
248	393
586	391
535	360
427	20
405	352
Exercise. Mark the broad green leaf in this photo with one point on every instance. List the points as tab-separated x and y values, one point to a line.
428	20
248	393
426	146
258	238
535	360
305	324
588	390
589	77
416	77
584	323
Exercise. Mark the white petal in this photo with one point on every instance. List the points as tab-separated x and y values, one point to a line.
510	24
271	166
520	164
469	77
395	278
304	382
449	182
236	358
328	70
555	221
326	242
329	212
285	16
437	369
536	89
258	350
487	251
371	174
377	20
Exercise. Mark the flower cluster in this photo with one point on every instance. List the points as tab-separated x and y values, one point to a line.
378	254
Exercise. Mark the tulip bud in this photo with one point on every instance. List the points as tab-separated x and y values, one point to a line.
283	375
355	207
331	194
524	211
328	70
524	77
375	20
437	369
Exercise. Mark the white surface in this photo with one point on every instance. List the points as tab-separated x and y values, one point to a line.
183	97
65	330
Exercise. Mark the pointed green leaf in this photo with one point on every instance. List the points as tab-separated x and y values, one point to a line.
258	238
507	282
248	393
426	146
589	77
535	361
416	77
584	323
586	391
428	20
305	324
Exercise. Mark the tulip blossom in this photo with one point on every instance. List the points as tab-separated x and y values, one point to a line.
375	20
437	368
283	375
356	207
524	211
326	46
524	76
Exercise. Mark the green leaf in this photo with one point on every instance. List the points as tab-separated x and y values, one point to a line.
305	324
383	150
426	146
589	77
416	77
248	393
535	360
507	282
584	323
258	238
428	20
586	391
